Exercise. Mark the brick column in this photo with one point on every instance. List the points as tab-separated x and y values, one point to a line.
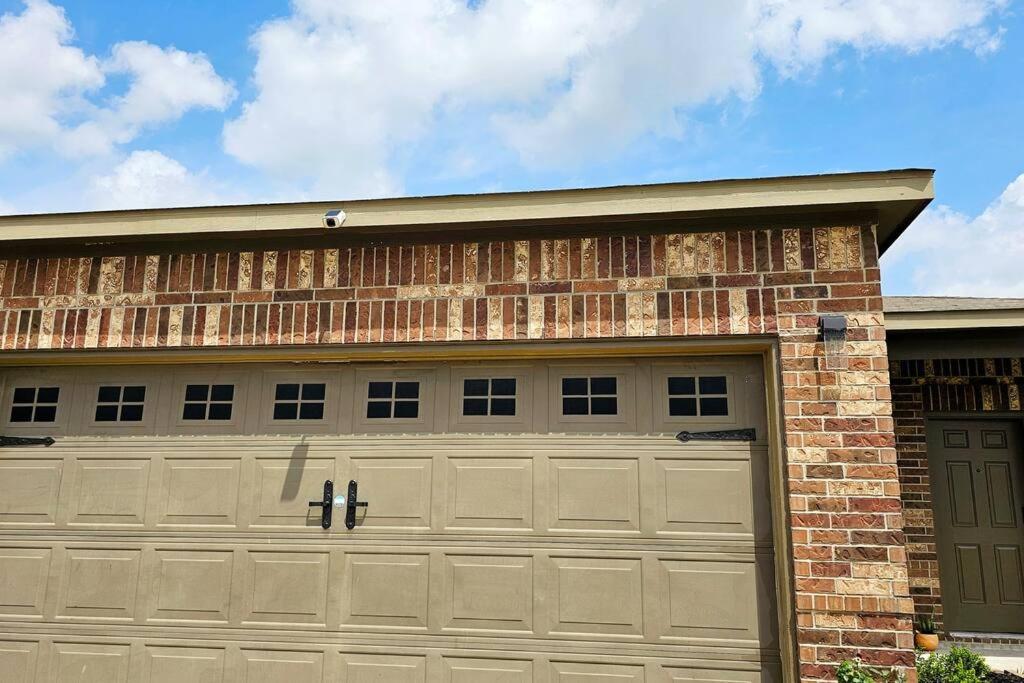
849	561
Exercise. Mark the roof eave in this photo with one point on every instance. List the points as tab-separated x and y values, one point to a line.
895	197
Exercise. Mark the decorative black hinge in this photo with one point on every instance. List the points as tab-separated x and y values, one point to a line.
719	435
326	504
26	441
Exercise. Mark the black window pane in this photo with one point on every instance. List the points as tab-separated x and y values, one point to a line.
108	394
378	409
474	387
682	407
407	390
474	406
313	392
503	386
503	406
407	409
196	392
24	395
194	411
131	413
574	406
106	413
286	392
133	395
574	386
286	411
220	411
46	413
681	385
714	406
48	394
712	385
602	385
604	406
379	390
222	392
21	413
311	411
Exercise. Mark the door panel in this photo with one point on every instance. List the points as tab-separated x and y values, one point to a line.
977	485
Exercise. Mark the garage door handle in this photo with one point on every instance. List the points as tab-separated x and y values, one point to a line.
719	435
325	505
351	503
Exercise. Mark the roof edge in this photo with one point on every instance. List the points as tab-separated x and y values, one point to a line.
896	195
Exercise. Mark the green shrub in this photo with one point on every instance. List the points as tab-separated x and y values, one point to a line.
853	671
959	665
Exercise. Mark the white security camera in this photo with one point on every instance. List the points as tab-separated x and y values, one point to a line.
334	218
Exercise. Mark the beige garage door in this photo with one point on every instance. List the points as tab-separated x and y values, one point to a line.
533	521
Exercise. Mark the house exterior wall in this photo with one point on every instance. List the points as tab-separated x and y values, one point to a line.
975	386
846	524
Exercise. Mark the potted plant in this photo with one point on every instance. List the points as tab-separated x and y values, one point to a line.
925	637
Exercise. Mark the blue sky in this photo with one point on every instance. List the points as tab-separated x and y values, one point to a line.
188	102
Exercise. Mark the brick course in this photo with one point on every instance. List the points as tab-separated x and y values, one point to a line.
848	557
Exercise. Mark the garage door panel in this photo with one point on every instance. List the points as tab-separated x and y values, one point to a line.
18	660
177	664
23	578
200	492
90	663
286	587
99	584
488	593
474	670
594	494
109	491
29	489
365	668
281	666
580	672
489	493
190	586
597	596
285	485
386	590
400	491
689	496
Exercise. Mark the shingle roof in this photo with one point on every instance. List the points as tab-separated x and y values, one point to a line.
937	304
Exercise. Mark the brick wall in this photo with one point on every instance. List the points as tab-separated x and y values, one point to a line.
852	597
970	385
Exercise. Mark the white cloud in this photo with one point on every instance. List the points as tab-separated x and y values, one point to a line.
344	88
948	253
41	77
147	179
52	91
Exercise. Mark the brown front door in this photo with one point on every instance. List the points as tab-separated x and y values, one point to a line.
976	473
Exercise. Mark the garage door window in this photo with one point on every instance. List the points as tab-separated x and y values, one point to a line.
590	396
120	403
34	404
698	396
385	400
208	401
489	396
299	401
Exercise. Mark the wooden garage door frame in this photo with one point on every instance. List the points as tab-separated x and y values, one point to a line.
765	348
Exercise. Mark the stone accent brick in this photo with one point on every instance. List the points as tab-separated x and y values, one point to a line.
849	564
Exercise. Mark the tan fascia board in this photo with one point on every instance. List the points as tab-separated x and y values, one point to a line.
894	196
954	320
